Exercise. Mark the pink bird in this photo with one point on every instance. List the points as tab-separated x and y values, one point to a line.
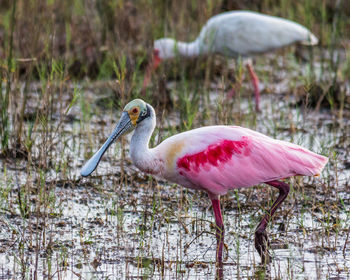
214	159
234	34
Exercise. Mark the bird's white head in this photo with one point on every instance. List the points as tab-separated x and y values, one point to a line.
166	48
137	111
133	115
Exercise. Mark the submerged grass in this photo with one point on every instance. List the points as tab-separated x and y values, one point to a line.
66	70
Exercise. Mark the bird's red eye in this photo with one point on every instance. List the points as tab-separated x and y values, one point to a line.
135	110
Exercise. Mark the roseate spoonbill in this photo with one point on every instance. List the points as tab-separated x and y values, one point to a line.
233	34
214	159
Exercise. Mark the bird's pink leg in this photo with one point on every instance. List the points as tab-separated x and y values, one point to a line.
261	241
220	231
255	81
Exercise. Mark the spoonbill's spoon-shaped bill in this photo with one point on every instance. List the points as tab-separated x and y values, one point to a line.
214	159
234	34
134	112
123	126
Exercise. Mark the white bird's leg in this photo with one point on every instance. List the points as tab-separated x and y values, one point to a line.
255	81
261	241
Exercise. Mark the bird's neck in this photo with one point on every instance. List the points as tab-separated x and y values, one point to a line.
191	49
145	159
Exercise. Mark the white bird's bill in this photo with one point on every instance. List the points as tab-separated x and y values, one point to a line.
124	125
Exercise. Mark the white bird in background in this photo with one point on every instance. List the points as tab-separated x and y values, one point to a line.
234	34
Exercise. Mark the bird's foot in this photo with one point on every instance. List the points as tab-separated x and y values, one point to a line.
262	245
219	275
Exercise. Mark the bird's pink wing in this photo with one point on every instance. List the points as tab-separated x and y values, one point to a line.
221	158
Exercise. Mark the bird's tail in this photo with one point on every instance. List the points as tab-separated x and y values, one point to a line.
311	40
305	162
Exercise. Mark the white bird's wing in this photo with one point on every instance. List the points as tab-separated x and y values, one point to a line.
247	33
